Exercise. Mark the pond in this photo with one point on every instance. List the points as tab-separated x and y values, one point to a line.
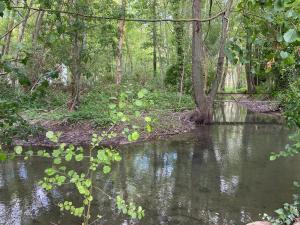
216	175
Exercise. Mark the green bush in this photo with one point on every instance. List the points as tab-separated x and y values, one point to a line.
173	77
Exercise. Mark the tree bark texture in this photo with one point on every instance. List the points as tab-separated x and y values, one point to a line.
121	34
203	113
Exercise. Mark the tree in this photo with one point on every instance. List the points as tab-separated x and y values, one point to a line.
121	33
154	40
204	101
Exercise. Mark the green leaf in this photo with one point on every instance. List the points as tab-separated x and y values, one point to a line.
135	136
148	119
291	36
112	106
284	54
57	161
50	171
138	103
106	169
68	157
142	93
18	150
50	135
3	156
79	157
273	157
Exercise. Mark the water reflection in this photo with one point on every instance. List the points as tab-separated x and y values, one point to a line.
216	175
229	112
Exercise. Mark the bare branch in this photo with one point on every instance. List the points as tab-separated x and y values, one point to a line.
15	26
119	18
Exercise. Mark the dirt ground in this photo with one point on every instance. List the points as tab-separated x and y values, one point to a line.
167	123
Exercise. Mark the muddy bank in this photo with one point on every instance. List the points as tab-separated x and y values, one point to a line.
260	106
165	124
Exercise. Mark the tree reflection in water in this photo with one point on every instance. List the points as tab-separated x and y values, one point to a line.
218	174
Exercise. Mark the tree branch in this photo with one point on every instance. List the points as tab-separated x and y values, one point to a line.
15	26
119	18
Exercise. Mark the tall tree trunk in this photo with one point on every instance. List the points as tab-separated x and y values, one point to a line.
179	35
129	55
121	32
248	68
222	86
161	63
203	113
8	37
76	72
37	27
221	58
79	42
154	40
24	23
205	67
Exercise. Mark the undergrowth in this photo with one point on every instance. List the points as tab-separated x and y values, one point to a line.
94	104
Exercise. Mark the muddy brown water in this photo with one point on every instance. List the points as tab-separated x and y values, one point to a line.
216	175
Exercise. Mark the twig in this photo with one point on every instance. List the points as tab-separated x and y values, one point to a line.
107	195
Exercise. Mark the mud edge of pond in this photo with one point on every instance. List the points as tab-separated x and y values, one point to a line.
80	134
168	123
266	107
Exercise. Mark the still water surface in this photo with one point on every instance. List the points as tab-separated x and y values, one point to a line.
216	175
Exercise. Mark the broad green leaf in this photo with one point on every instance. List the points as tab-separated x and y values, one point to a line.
106	169
135	136
284	54
148	119
57	161
142	93
18	150
291	36
68	157
50	135
138	103
50	171
79	157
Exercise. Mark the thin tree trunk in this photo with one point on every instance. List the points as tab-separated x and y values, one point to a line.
6	47
79	42
222	86
23	25
129	55
75	84
161	64
238	76
121	33
154	40
248	68
203	113
221	58
205	67
6	36
181	84
179	35
37	27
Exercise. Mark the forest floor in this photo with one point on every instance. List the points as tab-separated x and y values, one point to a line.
78	128
167	123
